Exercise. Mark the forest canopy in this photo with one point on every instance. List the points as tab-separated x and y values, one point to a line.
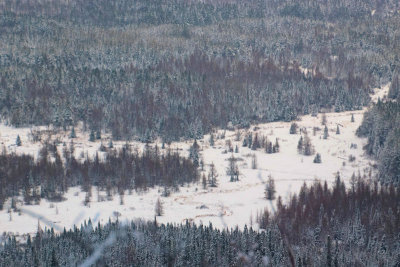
174	69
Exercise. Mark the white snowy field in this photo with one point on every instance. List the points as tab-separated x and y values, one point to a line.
228	205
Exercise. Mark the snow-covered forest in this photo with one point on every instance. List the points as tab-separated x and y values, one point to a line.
199	133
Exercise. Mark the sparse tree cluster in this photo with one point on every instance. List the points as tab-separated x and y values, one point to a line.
304	146
52	174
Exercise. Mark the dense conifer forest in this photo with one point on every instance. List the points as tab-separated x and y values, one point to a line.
381	125
179	68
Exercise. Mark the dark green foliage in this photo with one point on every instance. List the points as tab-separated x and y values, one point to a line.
270	188
256	143
194	153
18	141
149	244
91	136
317	158
326	132
293	128
394	89
73	134
381	126
98	135
304	146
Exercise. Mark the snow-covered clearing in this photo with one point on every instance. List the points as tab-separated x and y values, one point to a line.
229	204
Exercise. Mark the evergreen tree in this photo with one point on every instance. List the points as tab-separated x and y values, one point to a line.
212	176
300	145
110	144
92	137
308	148
233	170
329	252
269	149
337	129
212	142
18	141
53	261
326	132
270	188
254	162
352	118
98	135
204	181
255	143
293	128
323	119
159	211
73	134
194	153
394	89
276	147
317	158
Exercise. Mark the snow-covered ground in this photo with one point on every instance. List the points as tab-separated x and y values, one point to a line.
229	204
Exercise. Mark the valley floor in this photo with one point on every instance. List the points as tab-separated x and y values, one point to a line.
228	205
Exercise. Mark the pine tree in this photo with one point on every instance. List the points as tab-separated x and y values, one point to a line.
308	148
394	89
270	188
53	261
256	143
204	181
250	140
337	129
236	149
326	133
92	137
293	128
269	149
98	134
323	119
329	252
73	134
317	158
276	146
110	144
211	139
352	118
18	141
159	208
194	153
300	145
232	169
244	144
254	162
212	176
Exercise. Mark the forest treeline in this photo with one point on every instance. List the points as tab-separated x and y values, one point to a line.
52	174
157	12
381	126
173	69
362	221
320	226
